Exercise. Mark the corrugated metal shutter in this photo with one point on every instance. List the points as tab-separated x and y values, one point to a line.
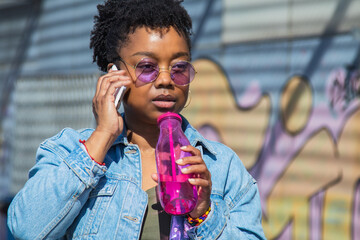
44	106
248	20
13	18
60	44
57	81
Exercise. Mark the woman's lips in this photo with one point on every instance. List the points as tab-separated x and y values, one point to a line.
164	101
164	104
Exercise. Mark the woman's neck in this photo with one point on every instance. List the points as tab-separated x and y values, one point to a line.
145	141
143	135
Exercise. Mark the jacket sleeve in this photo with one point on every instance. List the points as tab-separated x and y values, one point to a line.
235	212
58	186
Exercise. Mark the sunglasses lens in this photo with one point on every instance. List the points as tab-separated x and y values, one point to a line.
146	70
182	73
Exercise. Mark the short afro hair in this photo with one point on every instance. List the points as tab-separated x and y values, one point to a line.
118	18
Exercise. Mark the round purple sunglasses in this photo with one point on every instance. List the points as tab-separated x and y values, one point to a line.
147	70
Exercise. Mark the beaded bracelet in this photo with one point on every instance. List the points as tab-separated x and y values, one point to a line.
197	221
83	143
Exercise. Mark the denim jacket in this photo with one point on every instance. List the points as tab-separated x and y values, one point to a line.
69	196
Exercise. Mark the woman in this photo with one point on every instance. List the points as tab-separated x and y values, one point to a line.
100	183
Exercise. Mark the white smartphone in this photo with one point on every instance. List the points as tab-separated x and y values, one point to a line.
119	93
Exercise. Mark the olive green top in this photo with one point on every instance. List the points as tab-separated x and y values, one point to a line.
156	224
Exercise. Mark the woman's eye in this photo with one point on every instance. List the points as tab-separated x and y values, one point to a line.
179	67
146	68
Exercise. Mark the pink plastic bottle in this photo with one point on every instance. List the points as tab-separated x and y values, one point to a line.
177	195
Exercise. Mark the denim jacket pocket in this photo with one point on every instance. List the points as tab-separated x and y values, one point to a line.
104	188
92	214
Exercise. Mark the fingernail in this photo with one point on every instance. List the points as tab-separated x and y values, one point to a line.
179	161
191	180
184	170
183	148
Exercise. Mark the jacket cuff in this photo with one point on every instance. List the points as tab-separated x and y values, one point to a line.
214	223
88	171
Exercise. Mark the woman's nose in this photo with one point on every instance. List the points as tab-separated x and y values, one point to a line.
164	78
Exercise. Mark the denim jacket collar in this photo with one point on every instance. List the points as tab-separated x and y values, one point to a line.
191	133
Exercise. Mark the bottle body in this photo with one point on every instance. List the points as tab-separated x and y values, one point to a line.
177	195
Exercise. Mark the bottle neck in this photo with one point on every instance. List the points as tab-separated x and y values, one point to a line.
170	123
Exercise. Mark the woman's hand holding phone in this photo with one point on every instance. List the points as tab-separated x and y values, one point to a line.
109	122
110	88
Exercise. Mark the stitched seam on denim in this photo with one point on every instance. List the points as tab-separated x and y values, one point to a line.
62	214
91	217
78	175
62	155
81	170
53	148
130	197
53	139
217	193
241	194
57	136
221	231
121	177
120	213
107	202
86	131
105	199
221	228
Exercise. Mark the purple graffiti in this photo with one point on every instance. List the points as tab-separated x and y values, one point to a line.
280	147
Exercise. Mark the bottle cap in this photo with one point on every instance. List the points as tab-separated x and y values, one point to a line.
168	114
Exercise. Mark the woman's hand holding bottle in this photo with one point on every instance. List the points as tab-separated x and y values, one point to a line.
197	167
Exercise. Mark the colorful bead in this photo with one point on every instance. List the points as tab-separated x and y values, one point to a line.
197	221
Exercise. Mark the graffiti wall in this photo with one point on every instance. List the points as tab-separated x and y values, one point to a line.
304	152
278	81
